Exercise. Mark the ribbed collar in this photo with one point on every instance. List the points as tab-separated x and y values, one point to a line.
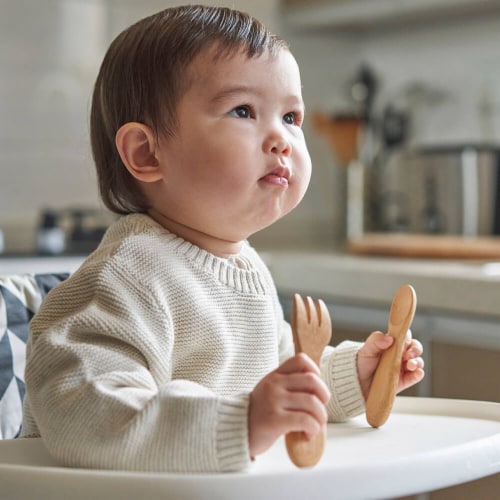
238	271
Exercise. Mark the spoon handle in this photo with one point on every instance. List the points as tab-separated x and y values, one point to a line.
385	381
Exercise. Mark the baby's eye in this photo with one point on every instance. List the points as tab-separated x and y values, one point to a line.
241	112
293	118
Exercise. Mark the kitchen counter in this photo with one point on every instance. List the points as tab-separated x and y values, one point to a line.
461	287
20	264
457	287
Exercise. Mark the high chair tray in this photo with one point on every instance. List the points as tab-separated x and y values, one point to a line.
426	444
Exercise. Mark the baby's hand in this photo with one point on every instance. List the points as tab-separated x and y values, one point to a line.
412	363
290	398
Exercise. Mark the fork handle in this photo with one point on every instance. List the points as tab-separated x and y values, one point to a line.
304	452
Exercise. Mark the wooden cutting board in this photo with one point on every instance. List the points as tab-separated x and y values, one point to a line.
426	246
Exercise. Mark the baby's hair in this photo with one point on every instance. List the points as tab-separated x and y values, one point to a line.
144	74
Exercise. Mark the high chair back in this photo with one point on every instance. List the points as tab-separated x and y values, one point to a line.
20	298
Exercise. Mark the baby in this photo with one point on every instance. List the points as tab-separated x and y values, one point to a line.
167	350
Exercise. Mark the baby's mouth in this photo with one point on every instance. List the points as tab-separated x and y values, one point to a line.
278	177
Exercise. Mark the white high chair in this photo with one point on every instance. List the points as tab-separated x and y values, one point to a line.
426	444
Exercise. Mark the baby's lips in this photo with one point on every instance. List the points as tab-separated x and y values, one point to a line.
275	179
278	176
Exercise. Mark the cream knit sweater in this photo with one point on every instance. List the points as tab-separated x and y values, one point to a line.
145	357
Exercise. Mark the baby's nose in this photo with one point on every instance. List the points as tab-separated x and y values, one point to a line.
278	144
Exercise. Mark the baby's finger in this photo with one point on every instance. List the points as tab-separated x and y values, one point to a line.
414	350
375	344
297	421
414	364
309	383
307	403
409	378
408	338
298	363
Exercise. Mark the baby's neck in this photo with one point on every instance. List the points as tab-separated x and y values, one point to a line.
219	247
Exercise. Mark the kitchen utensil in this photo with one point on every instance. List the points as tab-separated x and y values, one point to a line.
363	89
394	127
385	381
312	330
342	132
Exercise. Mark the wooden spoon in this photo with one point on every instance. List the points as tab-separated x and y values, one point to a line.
312	330
385	381
342	133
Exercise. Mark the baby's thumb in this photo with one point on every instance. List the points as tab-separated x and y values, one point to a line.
376	343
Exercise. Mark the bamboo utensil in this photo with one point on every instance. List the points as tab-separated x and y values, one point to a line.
346	134
312	330
385	381
342	133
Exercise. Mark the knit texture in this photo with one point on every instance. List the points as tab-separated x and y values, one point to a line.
145	357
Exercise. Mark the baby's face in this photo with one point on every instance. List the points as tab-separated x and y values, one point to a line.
238	161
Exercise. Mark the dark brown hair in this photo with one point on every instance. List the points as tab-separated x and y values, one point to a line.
145	72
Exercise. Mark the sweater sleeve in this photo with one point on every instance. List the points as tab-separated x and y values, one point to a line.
338	369
101	393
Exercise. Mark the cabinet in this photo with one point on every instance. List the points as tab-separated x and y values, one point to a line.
362	14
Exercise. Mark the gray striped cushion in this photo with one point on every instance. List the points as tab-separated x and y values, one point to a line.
20	298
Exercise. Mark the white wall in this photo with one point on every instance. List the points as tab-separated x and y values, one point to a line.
50	52
459	62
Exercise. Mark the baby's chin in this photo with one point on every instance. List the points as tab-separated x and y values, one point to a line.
271	229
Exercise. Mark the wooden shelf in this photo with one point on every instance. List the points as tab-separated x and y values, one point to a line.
366	14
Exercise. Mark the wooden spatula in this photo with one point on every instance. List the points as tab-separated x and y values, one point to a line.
312	330
385	381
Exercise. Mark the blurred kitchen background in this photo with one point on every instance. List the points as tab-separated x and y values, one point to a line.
412	87
403	126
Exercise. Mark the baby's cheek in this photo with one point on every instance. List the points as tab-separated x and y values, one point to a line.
301	182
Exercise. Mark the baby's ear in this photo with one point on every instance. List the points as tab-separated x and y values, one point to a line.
136	145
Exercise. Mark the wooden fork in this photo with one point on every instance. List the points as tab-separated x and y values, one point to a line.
312	330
